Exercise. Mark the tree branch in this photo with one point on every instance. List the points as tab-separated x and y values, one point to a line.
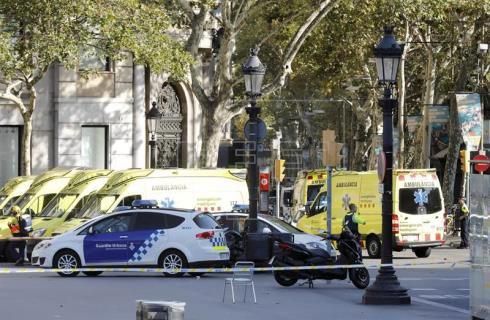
187	8
295	44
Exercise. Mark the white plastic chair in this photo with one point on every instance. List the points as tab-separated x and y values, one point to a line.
242	276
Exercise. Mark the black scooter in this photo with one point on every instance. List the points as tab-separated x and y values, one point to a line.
299	255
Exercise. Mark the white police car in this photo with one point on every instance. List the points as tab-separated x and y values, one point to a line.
144	236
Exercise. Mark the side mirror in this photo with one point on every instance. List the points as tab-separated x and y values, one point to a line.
307	209
266	230
91	230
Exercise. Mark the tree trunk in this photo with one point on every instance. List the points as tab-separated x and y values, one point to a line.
423	133
467	61
455	140
26	145
401	102
213	121
361	137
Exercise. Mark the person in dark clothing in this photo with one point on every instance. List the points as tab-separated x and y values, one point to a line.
463	221
351	222
19	227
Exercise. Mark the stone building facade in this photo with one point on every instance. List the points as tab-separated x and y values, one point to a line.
99	121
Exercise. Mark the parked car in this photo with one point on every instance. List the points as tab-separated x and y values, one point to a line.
141	236
234	224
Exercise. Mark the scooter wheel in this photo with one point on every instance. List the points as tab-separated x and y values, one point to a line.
284	279
359	277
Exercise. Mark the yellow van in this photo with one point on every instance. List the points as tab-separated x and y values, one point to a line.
69	201
212	190
418	209
306	187
42	190
12	190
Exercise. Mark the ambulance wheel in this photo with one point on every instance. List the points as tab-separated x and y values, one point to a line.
373	247
422	252
67	259
92	273
173	259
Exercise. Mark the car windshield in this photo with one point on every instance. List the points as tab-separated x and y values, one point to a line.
420	200
312	192
5	210
96	205
24	200
58	206
280	224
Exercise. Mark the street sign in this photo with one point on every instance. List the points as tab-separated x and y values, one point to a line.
381	161
481	166
261	130
264	177
264	181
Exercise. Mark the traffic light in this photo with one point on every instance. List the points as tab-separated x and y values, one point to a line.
462	159
279	167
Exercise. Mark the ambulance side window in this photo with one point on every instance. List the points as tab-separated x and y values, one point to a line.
320	205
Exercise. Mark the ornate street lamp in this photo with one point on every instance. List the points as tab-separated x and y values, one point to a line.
386	288
253	73
152	117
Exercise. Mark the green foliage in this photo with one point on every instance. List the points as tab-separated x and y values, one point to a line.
35	34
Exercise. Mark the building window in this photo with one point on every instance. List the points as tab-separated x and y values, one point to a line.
94	147
10	142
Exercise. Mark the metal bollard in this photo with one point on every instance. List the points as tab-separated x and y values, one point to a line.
159	310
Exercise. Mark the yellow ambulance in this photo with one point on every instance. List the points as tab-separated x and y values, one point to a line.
418	209
12	190
69	201
42	190
305	189
211	190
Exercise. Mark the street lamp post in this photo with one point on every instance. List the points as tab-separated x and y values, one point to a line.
253	72
386	289
152	118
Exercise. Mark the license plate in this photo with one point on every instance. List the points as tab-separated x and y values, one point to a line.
224	256
411	237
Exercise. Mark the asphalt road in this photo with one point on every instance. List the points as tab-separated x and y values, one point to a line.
437	291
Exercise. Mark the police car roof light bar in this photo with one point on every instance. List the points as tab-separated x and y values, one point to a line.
144	204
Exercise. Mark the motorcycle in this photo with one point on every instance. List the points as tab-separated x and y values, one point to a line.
316	254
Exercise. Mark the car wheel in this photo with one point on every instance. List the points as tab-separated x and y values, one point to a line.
92	273
175	260
422	252
66	260
373	247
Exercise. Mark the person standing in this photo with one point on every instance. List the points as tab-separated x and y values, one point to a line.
464	214
351	221
19	227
